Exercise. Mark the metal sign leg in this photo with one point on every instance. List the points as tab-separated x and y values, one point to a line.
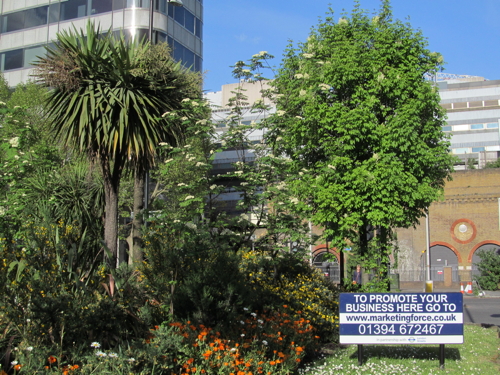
441	356
360	355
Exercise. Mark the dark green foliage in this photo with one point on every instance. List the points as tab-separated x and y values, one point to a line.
490	269
493	164
194	272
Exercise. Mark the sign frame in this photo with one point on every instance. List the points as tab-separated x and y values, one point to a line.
401	318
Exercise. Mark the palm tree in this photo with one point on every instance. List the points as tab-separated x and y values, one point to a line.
106	99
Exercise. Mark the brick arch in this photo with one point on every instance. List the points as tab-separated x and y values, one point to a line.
322	248
477	246
446	244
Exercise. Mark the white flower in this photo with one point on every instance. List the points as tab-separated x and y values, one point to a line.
2	103
245	70
131	360
302	92
253	314
245	308
186	100
165	114
14	142
201	122
233	349
177	221
262	53
16	157
200	164
264	342
191	225
298	76
189	197
324	86
113	355
194	104
29	348
100	354
307	55
28	320
184	118
238	172
280	112
242	322
168	160
213	187
260	321
95	345
244	183
13	363
242	335
181	184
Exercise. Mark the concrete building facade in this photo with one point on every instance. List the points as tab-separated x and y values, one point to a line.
26	26
473	110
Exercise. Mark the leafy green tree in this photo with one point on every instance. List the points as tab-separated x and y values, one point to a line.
107	99
489	266
362	125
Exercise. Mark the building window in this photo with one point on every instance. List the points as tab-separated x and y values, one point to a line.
477	149
101	6
13	59
477	126
13	22
447	128
460	150
492	125
73	9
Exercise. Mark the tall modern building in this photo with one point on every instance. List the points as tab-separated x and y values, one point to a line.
26	26
473	109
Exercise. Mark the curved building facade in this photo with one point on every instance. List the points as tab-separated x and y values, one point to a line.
26	26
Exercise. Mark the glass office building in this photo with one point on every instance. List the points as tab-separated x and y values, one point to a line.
26	26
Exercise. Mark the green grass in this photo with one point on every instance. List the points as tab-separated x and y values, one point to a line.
478	355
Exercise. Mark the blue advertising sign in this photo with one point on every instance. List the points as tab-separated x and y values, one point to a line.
401	318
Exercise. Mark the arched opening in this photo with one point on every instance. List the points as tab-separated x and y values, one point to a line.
443	256
476	259
328	264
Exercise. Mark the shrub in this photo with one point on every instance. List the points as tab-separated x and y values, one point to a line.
489	266
289	280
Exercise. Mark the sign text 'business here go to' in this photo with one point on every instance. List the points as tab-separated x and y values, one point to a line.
396	318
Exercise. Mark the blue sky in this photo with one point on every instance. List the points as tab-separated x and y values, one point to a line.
465	32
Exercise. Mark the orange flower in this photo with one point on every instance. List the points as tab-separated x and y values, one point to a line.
75	367
190	360
17	367
297	360
272	363
52	359
298	349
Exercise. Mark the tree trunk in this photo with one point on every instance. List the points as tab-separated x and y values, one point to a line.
135	237
111	220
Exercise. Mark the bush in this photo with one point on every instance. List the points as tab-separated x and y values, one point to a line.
289	280
489	266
